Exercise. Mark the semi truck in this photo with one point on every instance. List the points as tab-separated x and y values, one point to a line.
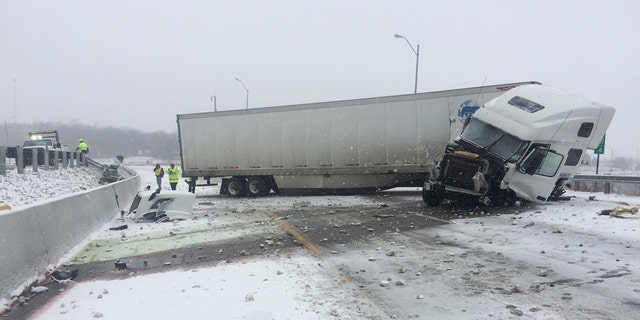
525	144
328	147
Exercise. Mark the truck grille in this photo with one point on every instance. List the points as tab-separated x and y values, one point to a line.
458	171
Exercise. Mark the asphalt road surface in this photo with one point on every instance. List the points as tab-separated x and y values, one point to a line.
389	247
241	232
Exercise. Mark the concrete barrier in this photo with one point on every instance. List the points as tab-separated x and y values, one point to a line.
36	236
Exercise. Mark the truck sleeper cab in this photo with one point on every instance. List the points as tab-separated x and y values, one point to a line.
525	144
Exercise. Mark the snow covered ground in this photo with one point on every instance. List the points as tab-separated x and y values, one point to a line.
557	261
23	189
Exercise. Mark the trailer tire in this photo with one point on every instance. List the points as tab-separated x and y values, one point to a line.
236	187
258	186
433	196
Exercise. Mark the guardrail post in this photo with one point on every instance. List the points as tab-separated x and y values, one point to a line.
19	160
65	160
34	159
46	158
3	161
607	188
72	159
56	158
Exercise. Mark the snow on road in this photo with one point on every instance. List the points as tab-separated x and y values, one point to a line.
556	261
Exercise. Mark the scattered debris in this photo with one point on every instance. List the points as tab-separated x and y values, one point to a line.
39	289
122	227
618	211
64	275
119	265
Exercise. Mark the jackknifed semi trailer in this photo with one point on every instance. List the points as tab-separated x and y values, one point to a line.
339	147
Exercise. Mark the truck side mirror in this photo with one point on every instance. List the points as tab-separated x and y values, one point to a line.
533	162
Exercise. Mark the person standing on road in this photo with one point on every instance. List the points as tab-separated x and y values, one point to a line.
174	176
159	172
191	181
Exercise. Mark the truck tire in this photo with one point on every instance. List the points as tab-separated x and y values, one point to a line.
257	186
434	196
236	187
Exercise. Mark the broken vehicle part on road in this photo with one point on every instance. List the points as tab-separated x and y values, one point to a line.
163	206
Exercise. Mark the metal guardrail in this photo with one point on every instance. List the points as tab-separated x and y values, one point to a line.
607	183
36	157
607	178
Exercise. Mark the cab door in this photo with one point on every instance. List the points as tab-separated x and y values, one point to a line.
534	179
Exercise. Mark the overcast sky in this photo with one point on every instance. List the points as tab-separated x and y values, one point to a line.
117	62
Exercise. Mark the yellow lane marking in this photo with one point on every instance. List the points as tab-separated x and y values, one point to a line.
332	269
292	231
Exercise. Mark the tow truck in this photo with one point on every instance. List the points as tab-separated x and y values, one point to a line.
42	140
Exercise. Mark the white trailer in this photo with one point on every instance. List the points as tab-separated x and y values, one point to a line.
336	147
524	144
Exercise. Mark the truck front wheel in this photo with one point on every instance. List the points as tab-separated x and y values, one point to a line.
434	195
236	187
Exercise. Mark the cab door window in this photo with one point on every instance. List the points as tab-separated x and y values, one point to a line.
542	162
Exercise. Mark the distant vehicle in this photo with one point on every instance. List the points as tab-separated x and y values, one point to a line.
41	140
524	144
328	147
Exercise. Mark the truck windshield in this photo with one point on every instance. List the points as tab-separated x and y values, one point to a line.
494	140
37	143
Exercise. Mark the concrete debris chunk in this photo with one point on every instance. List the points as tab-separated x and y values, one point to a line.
39	289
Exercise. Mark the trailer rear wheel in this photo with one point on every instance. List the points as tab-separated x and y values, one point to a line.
236	187
257	186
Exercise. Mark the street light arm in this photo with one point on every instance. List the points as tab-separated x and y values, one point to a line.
242	83
409	43
417	52
245	88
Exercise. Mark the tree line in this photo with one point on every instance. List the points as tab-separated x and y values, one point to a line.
104	142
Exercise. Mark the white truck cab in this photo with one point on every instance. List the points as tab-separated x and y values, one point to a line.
524	144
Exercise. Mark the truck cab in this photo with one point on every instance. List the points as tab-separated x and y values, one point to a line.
524	144
43	139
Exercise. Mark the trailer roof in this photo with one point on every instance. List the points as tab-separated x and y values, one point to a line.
360	101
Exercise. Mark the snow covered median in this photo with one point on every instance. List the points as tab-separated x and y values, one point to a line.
18	190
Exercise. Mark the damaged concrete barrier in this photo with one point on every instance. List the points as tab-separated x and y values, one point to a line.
36	236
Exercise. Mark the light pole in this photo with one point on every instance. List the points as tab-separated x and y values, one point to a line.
215	106
6	131
417	52
245	88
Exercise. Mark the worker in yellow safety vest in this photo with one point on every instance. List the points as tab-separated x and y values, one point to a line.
174	176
